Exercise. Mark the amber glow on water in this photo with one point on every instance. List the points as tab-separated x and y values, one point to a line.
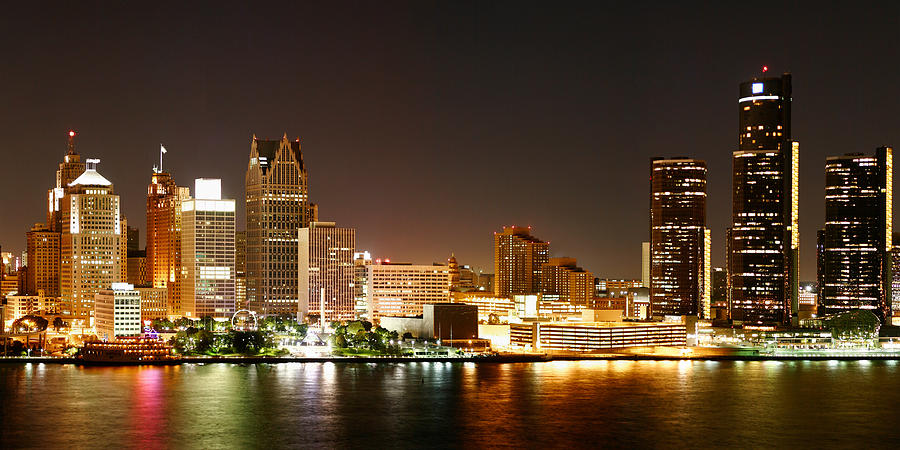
561	403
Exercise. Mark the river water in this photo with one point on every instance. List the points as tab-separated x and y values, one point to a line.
412	405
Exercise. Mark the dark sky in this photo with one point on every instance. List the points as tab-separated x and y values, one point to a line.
429	125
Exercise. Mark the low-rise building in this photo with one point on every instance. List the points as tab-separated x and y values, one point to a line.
18	306
489	306
117	312
595	336
401	290
546	306
447	321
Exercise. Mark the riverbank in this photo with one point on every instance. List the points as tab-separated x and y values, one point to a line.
505	358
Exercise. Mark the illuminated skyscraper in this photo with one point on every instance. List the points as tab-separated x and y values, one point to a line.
207	252
277	202
858	233
43	261
895	279
69	169
164	200
679	254
327	271
518	257
93	242
240	269
763	241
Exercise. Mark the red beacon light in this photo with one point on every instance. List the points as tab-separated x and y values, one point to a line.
765	69
71	133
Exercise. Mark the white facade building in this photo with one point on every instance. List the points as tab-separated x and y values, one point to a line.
326	271
117	312
207	252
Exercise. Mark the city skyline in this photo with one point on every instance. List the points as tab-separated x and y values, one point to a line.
467	165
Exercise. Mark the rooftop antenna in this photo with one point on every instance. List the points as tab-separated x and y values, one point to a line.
71	149
162	151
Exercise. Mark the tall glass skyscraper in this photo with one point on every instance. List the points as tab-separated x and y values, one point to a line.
858	233
763	241
679	251
277	206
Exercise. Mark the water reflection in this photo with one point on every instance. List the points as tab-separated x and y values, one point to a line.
578	403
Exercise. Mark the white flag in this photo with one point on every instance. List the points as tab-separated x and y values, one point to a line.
162	149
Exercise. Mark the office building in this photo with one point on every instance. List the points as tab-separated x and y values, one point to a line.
327	272
136	272
240	270
518	258
277	202
207	252
857	239
117	312
43	267
645	264
154	304
679	256
18	306
637	304
614	288
400	289
546	306
808	297
763	240
164	201
361	261
895	279
93	241
134	239
68	170
563	277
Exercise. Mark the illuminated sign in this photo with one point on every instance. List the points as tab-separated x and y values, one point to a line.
757	88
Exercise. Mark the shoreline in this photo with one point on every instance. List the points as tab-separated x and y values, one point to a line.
497	359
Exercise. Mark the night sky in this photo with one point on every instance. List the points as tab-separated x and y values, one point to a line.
427	126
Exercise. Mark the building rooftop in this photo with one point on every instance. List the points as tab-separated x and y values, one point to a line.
90	177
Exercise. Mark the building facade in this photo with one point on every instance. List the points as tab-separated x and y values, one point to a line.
563	277
595	337
277	202
361	262
164	201
400	290
679	256
518	258
93	241
240	270
43	261
857	239
153	302
327	272
207	252
136	268
763	240
117	312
